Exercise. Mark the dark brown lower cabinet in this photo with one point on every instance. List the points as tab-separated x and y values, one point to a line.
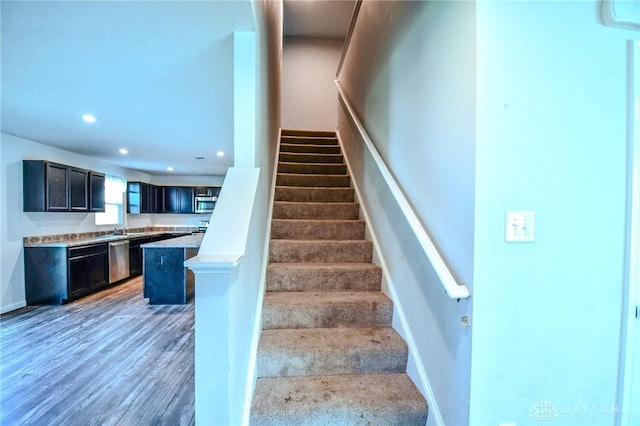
135	255
88	269
57	275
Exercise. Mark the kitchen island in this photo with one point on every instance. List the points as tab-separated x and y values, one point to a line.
165	279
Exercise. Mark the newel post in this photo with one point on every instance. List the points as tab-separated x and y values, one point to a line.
214	275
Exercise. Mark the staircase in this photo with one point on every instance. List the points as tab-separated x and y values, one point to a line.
327	353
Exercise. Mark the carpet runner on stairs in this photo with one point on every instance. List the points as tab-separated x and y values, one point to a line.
327	354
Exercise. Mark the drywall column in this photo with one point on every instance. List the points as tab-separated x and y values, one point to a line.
221	341
244	98
212	363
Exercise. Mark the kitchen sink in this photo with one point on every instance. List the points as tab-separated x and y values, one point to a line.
105	237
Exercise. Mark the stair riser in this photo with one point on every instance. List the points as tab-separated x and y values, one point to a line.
311	158
317	230
313	363
276	316
308	140
290	278
286	179
311	168
314	195
320	251
308	148
336	211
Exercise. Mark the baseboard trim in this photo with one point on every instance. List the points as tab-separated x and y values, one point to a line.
12	307
422	380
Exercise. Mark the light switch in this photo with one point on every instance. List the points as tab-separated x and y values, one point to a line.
519	226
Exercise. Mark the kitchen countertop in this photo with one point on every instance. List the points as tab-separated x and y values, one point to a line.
99	239
188	241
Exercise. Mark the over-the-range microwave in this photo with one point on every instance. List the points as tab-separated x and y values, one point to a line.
205	204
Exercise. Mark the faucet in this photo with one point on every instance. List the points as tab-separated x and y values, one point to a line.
119	230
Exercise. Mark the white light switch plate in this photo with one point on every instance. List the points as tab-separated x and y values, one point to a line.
520	226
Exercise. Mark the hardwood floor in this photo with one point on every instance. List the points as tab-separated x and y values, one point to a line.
107	359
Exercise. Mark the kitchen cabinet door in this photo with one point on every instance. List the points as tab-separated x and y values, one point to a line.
134	200
135	255
147	198
88	269
158	199
171	199
57	187
186	200
96	195
78	190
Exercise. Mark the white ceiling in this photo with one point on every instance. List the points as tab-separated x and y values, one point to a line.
323	19
157	74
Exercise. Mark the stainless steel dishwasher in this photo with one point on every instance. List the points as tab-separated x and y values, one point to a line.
118	261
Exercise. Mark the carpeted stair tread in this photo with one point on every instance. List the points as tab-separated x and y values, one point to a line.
327	354
313	168
299	229
310	148
365	399
313	180
314	351
315	195
320	251
323	277
326	309
313	210
291	157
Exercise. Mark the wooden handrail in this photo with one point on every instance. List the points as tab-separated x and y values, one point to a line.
454	289
347	39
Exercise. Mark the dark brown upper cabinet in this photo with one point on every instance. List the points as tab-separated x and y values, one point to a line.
54	187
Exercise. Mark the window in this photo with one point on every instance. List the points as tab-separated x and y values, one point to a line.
114	189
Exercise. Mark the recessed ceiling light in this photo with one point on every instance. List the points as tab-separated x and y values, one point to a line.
123	151
89	118
170	168
220	153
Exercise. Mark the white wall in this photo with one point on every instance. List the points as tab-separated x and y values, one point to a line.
233	300
551	137
309	98
417	101
17	224
479	108
268	17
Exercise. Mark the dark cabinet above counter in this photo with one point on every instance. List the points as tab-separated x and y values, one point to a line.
146	198
54	187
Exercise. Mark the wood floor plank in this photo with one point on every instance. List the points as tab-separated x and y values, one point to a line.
107	359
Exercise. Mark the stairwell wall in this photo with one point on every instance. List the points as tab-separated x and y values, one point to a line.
416	100
308	93
268	18
548	84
